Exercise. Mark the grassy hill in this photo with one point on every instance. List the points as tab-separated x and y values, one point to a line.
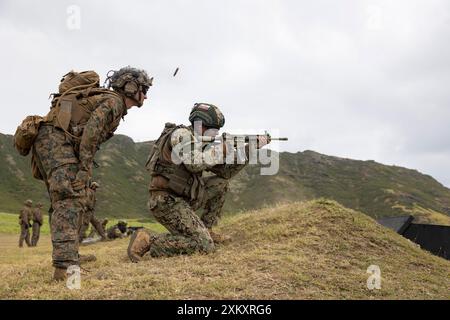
16	185
373	188
310	250
122	176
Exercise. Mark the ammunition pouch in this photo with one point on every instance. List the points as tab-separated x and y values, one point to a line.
181	182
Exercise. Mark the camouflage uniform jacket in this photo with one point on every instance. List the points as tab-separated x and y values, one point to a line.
25	216
91	199
181	172
93	127
100	127
37	216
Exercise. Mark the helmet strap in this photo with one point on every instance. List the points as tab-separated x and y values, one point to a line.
139	103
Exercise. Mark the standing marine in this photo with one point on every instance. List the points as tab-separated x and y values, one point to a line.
37	224
83	116
24	222
179	186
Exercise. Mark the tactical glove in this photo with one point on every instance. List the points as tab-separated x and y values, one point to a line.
263	140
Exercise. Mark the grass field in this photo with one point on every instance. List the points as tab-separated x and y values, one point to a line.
9	224
310	250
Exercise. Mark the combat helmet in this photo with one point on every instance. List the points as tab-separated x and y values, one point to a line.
39	205
122	225
209	114
129	81
29	203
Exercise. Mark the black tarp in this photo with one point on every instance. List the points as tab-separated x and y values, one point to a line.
398	224
433	238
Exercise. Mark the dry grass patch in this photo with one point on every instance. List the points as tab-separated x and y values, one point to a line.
308	250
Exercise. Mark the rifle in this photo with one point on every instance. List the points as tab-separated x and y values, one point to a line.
245	138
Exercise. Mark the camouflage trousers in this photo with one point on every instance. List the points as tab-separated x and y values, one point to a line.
58	164
188	232
24	235
89	218
36	234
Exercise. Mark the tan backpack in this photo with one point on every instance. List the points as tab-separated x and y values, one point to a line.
76	81
72	82
79	95
26	133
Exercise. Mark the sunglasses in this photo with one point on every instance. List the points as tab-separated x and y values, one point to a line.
144	89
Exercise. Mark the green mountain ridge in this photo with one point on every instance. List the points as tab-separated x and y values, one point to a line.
373	188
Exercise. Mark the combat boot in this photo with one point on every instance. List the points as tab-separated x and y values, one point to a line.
140	243
219	238
87	258
60	274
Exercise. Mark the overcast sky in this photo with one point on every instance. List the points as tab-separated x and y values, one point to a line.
358	79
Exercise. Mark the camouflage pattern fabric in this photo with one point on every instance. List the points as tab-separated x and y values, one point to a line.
216	189
89	218
188	232
37	223
85	224
59	166
24	235
100	127
97	228
36	234
24	221
88	214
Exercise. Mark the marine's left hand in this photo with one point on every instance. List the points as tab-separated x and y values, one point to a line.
263	140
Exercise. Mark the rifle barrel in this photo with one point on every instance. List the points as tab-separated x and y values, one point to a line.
246	137
279	139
